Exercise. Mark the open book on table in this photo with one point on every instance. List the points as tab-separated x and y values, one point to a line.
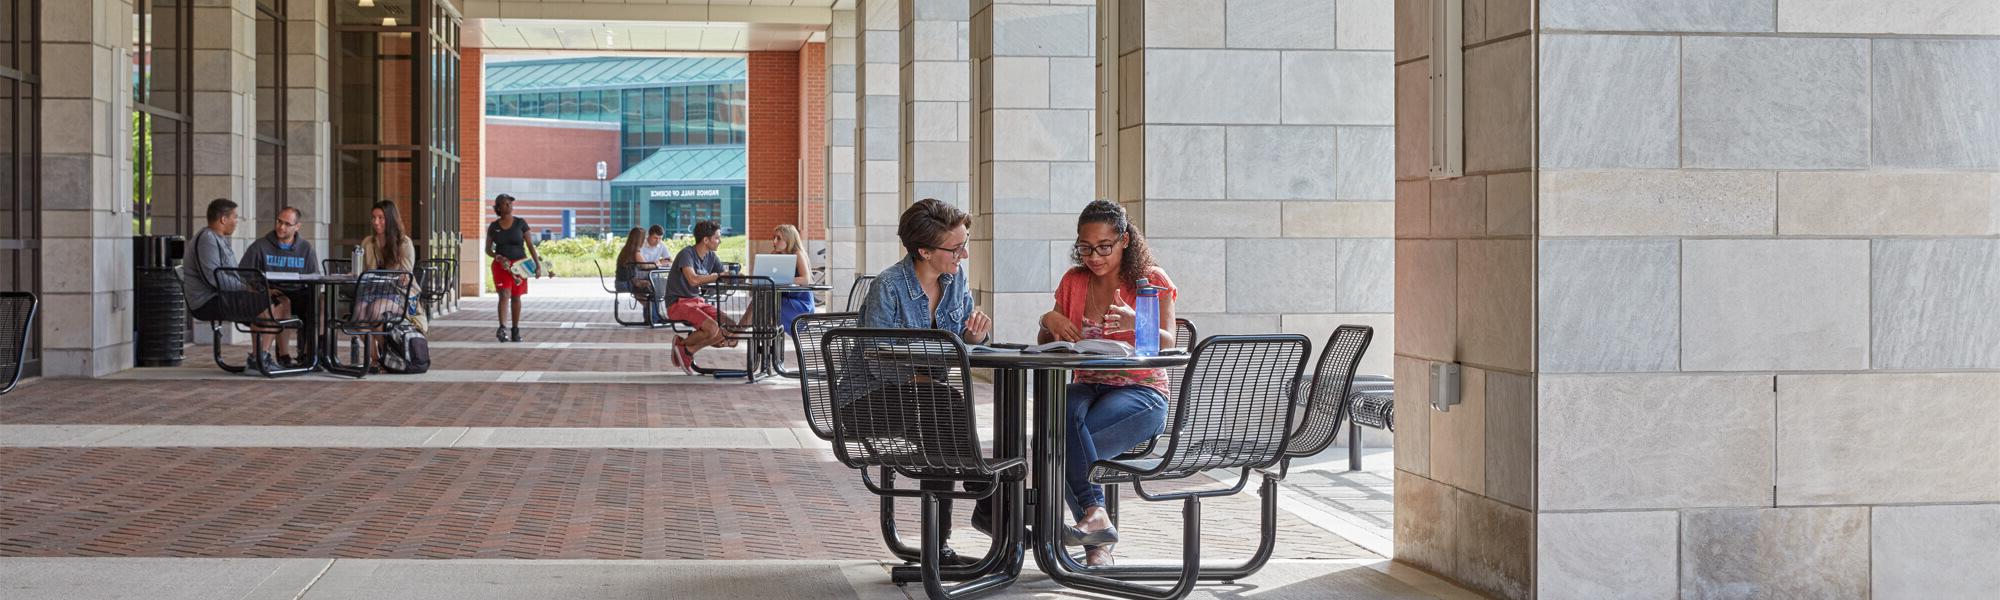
1097	347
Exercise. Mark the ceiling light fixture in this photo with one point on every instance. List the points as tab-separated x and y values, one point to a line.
608	42
388	21
365	3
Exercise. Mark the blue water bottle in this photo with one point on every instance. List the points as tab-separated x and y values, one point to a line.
1146	328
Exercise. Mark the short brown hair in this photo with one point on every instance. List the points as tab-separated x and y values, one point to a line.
656	229
924	224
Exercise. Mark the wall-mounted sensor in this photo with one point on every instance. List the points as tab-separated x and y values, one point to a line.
1444	386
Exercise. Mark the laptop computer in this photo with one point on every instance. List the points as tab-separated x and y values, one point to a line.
781	268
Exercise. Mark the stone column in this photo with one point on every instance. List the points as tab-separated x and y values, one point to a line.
1254	143
878	145
936	100
1464	293
225	70
86	207
1034	66
842	235
1732	312
308	111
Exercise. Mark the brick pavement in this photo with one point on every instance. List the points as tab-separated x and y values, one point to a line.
383	401
495	503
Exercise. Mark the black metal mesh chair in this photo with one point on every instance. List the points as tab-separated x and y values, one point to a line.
437	280
859	292
254	317
750	307
1234	412
1325	404
381	302
336	266
619	289
17	322
902	402
807	332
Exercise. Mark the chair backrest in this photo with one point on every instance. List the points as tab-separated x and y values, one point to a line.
17	322
1236	402
1325	404
1185	337
859	293
902	398
602	280
437	277
336	266
231	279
381	286
808	333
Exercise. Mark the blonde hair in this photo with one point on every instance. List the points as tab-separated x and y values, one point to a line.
790	235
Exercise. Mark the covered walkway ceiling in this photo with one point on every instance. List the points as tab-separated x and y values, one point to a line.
672	25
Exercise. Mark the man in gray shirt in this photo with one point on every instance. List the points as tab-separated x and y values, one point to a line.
213	296
283	251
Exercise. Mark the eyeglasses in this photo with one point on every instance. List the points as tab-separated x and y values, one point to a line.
284	223
954	250
1100	250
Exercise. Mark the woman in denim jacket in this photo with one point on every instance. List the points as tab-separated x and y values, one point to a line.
927	290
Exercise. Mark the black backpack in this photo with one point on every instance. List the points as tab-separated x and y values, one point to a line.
406	351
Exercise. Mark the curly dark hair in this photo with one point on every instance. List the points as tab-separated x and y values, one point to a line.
1137	259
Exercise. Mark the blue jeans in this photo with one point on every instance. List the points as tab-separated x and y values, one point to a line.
1105	421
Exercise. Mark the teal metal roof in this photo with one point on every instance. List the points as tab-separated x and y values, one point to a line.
609	72
697	164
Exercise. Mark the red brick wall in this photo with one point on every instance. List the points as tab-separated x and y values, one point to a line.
532	152
773	186
471	125
812	145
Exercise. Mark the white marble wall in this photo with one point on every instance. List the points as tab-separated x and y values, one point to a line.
1465	292
1254	141
1768	257
85	324
841	82
878	127
1034	109
937	99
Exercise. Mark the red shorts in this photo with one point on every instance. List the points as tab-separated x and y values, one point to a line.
504	279
694	311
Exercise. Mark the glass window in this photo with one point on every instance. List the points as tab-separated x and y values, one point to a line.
610	106
569	106
656	121
588	108
697	120
631	122
551	106
677	116
740	96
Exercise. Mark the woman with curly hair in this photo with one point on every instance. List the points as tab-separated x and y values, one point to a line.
1110	411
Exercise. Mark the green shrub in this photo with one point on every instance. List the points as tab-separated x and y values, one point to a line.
572	257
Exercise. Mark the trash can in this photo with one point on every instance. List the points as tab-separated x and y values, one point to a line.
159	315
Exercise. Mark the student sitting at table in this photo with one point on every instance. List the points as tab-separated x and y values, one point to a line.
213	296
786	240
927	290
696	266
656	253
283	251
1110	411
633	276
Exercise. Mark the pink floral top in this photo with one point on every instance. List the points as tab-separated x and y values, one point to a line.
1073	293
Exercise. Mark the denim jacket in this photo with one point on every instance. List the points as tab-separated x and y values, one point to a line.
896	300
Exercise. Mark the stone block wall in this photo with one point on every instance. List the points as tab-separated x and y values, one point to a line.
1254	141
1763	230
1720	273
842	235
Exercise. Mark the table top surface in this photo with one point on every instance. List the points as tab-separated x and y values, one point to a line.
1015	359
